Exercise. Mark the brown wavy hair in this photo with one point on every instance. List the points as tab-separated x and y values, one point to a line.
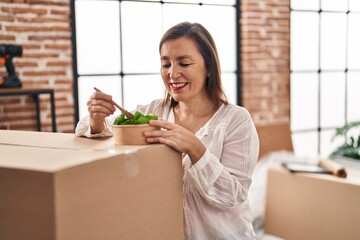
206	46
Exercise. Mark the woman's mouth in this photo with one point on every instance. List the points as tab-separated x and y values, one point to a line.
178	86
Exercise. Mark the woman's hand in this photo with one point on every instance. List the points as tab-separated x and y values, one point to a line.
99	107
176	137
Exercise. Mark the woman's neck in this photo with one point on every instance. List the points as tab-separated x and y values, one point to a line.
193	116
200	109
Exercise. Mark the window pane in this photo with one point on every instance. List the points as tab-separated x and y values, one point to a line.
108	84
176	13
334	5
333	41
354	5
183	1
353	96
354	40
305	4
224	37
304	41
332	99
305	144
229	85
141	36
304	101
223	2
220	2
327	146
97	44
141	90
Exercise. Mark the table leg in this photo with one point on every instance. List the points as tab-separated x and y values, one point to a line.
37	106
53	115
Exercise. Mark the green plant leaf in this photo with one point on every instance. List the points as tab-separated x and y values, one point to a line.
343	130
351	146
347	152
138	118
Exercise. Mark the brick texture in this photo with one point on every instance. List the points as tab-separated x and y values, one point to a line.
43	29
265	59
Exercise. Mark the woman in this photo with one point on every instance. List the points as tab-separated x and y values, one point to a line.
218	140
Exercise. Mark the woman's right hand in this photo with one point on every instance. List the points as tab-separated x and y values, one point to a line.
99	107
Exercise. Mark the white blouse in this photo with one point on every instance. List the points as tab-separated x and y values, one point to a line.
216	187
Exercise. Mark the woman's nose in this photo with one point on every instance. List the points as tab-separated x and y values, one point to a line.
174	72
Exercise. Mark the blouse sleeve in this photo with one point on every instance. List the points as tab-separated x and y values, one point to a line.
224	181
83	128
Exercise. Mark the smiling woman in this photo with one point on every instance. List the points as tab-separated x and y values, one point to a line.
217	139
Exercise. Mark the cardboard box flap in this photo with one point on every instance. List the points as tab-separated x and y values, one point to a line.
274	137
46	159
49	152
61	141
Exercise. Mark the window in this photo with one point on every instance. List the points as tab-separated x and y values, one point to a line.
325	72
116	46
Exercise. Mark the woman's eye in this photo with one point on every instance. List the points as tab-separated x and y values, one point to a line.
166	65
185	64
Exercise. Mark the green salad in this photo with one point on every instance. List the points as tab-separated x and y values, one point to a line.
138	118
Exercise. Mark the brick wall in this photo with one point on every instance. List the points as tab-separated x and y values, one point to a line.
43	29
265	38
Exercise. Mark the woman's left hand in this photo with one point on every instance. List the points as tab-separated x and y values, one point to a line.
177	137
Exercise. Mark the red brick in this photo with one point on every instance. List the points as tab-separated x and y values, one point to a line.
43	20
20	10
49	3
7	37
61	12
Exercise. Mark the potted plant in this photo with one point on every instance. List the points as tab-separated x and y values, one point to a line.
350	132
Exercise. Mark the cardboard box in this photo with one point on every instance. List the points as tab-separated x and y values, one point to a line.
312	206
58	186
274	137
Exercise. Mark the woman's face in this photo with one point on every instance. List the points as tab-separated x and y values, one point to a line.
183	69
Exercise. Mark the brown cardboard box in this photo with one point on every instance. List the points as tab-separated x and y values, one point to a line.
312	206
274	137
58	186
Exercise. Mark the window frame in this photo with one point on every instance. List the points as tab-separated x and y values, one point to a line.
76	75
321	129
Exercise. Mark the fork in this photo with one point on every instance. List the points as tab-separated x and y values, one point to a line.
127	113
